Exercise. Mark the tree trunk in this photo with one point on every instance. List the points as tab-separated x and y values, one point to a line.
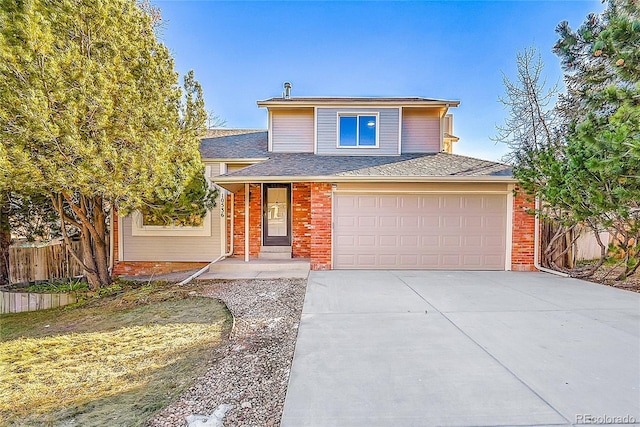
94	238
89	261
588	271
101	252
88	216
5	238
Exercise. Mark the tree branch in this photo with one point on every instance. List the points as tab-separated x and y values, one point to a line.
82	215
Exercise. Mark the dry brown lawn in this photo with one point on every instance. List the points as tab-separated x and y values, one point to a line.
112	361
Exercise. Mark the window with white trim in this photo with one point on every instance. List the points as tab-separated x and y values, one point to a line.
357	130
147	222
142	226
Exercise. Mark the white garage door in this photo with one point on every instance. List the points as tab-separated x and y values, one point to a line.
420	231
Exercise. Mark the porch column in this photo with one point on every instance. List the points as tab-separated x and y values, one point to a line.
246	222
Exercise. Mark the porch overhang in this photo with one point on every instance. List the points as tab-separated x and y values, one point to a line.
236	183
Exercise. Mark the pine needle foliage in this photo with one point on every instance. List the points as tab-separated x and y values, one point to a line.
581	156
601	113
92	114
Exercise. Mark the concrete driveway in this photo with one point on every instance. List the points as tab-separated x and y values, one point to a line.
419	348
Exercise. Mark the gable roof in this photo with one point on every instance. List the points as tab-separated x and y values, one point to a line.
334	100
269	166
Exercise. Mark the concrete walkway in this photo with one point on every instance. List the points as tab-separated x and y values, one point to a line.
234	268
409	348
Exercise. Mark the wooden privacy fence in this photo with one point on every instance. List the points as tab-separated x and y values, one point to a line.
585	246
30	264
17	302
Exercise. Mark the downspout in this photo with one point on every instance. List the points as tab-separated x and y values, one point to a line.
205	268
199	272
536	249
246	222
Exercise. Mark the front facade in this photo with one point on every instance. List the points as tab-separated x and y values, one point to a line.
348	183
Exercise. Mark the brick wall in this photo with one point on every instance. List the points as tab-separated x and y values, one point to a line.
228	214
301	216
142	268
311	213
522	251
320	226
238	224
255	219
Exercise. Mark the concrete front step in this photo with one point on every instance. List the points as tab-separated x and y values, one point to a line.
275	249
275	252
274	255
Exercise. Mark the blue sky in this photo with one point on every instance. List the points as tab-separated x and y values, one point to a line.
243	51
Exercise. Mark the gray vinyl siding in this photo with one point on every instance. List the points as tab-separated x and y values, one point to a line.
420	130
174	248
292	131
387	132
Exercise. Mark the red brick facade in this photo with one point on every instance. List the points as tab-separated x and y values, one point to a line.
301	221
321	226
301	216
255	219
229	209
522	249
152	268
312	232
238	224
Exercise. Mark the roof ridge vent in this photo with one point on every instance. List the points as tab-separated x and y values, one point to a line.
287	90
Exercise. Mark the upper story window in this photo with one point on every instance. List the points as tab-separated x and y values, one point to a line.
358	130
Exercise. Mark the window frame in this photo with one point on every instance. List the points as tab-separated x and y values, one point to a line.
205	230
139	229
357	115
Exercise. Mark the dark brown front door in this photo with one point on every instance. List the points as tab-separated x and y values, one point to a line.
276	216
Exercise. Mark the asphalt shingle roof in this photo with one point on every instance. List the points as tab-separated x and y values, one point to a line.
406	165
235	144
331	99
253	145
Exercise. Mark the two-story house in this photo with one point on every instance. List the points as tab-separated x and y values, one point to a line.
348	183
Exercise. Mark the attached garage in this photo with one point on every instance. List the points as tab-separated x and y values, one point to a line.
454	231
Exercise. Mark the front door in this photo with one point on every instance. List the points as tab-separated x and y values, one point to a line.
276	217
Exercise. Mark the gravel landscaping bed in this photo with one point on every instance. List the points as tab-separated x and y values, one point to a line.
252	371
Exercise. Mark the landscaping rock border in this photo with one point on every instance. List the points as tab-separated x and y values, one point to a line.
252	371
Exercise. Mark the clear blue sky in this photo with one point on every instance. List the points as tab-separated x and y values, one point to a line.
243	51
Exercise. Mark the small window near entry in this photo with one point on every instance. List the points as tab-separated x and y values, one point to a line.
358	130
